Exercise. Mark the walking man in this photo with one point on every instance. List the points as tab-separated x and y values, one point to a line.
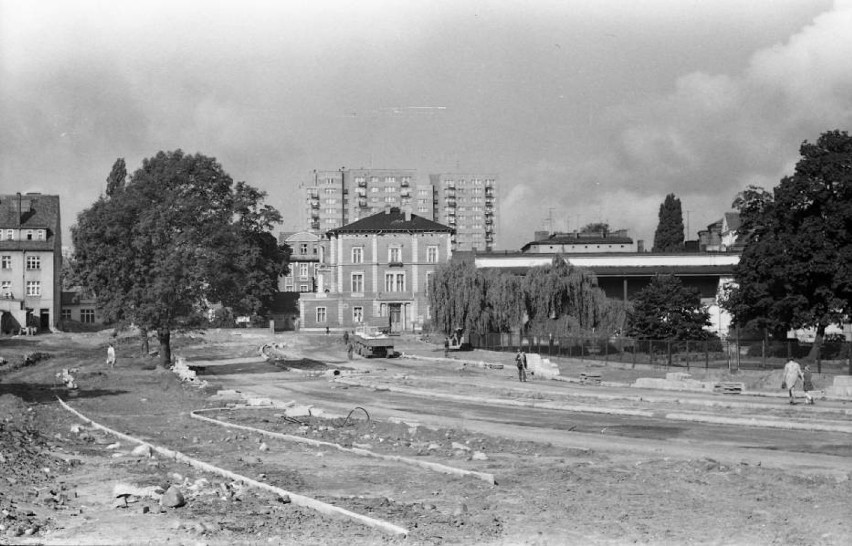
792	374
110	356
808	383
521	362
349	350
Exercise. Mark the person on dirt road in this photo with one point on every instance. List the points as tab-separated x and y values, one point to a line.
808	383
110	356
521	362
792	374
349	349
446	347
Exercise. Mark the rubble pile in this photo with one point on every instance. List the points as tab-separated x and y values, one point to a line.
28	488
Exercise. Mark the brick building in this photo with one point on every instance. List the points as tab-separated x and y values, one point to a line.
376	270
30	261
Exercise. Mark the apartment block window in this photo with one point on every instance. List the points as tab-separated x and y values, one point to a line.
357	315
87	316
10	234
394	282
304	288
303	271
390	199
330	190
394	254
432	254
41	234
390	180
391	189
6	289
6	262
423	192
33	262
374	189
357	283
65	314
331	201
329	181
33	288
357	255
321	315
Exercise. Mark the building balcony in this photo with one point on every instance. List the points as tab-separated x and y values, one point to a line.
405	183
489	212
396	264
362	183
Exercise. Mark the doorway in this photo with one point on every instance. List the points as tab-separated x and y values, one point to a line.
396	319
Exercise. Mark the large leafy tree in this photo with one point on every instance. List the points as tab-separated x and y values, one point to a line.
796	267
666	309
668	236
179	236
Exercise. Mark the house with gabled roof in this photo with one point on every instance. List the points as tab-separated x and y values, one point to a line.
376	271
30	262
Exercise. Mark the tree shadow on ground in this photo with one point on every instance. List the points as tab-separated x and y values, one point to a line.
45	394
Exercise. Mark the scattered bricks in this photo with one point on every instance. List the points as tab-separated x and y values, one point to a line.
590	378
460	447
729	387
479	456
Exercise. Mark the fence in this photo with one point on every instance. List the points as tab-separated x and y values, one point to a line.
833	357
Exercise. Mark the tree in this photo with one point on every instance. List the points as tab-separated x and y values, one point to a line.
595	227
796	267
666	309
669	234
117	177
177	238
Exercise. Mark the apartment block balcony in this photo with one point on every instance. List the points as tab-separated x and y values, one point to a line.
405	183
362	183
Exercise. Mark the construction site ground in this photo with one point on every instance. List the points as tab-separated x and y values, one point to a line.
571	463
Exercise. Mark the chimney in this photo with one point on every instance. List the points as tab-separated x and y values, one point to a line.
640	245
407	215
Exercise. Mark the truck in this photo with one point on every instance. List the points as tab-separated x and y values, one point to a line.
369	341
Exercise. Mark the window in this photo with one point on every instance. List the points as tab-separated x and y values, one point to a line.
394	282
329	181
423	192
390	180
6	262
394	254
391	189
390	199
65	314
304	288
320	315
303	271
33	288
29	235
432	254
357	254
10	234
331	201
6	289
358	283
87	316
41	234
288	285
357	315
374	189
428	281
33	262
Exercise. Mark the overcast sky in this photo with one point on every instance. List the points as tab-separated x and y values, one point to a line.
587	110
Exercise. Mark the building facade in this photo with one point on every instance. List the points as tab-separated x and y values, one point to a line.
467	202
580	243
304	261
376	271
30	261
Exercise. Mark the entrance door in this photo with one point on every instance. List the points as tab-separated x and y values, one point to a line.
44	319
395	311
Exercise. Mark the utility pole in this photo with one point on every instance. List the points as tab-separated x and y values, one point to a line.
687	224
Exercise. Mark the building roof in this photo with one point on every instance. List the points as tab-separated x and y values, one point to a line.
37	211
392	221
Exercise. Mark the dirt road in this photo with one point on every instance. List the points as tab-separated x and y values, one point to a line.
618	465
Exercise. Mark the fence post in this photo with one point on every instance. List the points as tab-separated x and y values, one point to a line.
687	354
819	358
706	355
668	354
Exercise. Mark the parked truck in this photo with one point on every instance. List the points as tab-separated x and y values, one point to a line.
370	341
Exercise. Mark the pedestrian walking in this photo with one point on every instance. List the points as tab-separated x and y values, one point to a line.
808	383
521	363
346	337
349	350
110	356
792	374
446	347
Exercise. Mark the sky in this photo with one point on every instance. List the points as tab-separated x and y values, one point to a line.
587	111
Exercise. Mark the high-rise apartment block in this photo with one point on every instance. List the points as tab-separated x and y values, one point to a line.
466	202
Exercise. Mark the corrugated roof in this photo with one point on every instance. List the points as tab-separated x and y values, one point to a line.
392	221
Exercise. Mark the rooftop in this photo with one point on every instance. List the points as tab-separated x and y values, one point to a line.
392	221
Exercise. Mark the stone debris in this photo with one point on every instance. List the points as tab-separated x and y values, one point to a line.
187	374
143	450
729	387
590	378
66	377
172	498
479	456
460	447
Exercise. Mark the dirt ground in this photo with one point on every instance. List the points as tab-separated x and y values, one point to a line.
59	479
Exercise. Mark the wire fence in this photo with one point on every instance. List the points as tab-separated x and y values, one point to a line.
734	354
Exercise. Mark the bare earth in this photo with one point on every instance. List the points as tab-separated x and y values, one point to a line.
563	476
